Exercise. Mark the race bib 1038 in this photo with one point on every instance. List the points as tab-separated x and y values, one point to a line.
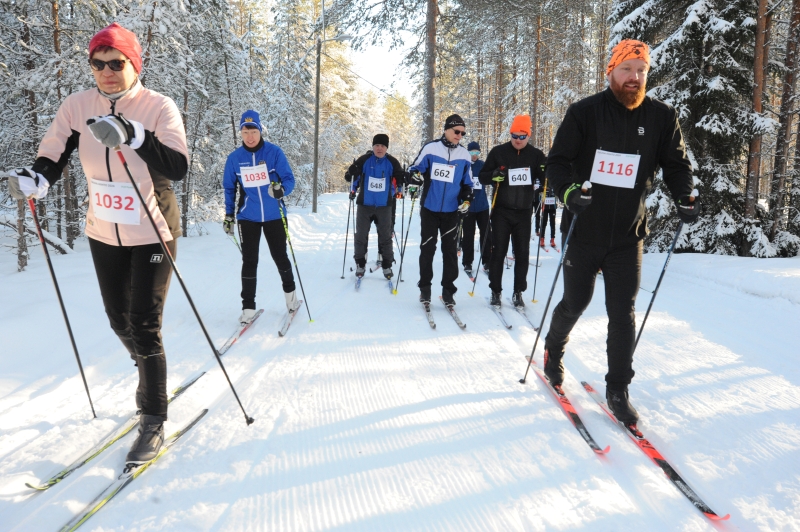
615	169
115	202
254	176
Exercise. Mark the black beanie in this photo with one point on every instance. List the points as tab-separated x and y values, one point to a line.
453	121
382	139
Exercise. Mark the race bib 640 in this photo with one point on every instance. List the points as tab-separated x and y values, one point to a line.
519	176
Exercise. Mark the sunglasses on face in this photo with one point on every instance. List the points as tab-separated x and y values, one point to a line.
459	133
518	137
115	64
475	152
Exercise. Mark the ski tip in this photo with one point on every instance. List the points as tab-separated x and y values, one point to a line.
37	488
603	451
715	517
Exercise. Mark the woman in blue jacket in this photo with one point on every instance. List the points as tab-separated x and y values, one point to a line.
263	175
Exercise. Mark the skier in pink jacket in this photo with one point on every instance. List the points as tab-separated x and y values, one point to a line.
132	272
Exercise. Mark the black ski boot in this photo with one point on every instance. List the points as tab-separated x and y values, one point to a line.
554	367
518	300
149	441
447	297
360	270
425	295
468	270
495	301
621	406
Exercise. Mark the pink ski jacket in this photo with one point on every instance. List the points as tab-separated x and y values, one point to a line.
161	159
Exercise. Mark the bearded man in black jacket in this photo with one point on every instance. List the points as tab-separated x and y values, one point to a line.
513	168
602	163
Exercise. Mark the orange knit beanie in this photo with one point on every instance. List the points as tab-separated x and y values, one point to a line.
521	124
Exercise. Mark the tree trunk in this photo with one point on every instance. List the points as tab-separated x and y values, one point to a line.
754	159
430	69
22	246
535	98
784	135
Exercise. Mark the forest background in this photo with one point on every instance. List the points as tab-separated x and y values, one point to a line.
729	67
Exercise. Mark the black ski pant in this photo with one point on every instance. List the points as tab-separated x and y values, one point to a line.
510	225
468	237
622	268
134	281
433	224
382	216
549	212
275	234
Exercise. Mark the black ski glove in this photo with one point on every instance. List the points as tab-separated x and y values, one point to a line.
352	195
578	197
688	207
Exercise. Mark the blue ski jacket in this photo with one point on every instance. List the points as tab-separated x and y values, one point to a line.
480	202
255	204
443	192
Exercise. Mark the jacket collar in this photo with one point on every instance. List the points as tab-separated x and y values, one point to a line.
255	148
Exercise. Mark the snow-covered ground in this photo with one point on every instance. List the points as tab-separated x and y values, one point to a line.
366	419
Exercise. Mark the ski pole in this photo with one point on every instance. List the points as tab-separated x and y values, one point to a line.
547	305
282	206
249	420
658	284
405	242
235	242
402	227
538	247
346	235
459	234
60	301
483	246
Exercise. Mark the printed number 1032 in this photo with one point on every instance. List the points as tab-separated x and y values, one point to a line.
114	202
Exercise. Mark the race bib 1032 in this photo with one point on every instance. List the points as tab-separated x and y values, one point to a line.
115	202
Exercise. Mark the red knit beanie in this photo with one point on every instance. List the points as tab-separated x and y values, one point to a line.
123	40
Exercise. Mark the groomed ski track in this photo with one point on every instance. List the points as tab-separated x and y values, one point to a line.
367	419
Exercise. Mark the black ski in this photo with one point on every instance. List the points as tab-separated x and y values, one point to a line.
453	314
427	307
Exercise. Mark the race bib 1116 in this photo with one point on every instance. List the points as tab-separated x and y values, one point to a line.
519	176
443	172
615	169
549	201
115	202
254	176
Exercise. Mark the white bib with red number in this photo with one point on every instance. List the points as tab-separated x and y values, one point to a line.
115	202
477	184
443	172
549	201
376	184
254	176
615	169
519	176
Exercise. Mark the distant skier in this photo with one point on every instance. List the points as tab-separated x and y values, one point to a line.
443	167
478	214
513	168
548	213
262	175
616	139
131	269
377	176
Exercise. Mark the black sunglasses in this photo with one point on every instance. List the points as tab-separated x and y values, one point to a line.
115	64
518	137
459	133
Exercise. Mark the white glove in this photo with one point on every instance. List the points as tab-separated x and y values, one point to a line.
275	190
114	130
464	207
24	183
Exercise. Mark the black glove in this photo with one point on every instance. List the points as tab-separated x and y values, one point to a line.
576	199
352	195
276	190
416	178
688	207
227	224
499	174
347	176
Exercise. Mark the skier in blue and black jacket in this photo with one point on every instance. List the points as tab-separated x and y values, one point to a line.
375	177
262	175
478	214
443	168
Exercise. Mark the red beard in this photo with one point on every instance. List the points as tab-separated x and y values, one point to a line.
628	98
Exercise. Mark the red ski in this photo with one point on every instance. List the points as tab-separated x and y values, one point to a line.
648	449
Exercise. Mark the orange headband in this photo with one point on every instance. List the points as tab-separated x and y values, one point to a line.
628	49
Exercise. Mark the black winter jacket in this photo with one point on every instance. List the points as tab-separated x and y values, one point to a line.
357	168
617	216
507	157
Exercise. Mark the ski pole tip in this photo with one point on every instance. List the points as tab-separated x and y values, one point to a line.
250	421
522	381
471	294
394	291
534	300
